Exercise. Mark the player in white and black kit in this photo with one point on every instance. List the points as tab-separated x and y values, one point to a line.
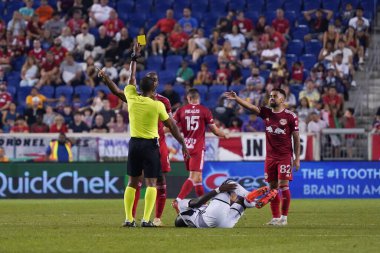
227	205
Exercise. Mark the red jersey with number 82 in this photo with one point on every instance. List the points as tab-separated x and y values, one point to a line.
278	131
193	120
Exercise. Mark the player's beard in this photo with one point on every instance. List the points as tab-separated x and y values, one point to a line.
273	104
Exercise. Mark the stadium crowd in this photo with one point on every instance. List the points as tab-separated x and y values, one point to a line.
49	51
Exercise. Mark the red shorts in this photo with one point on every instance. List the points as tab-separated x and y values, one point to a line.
276	169
164	152
195	163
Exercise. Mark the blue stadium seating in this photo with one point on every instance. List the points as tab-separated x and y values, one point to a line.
292	17
217	90
255	5
253	15
313	47
236	88
12	90
173	62
265	74
22	93
203	90
137	19
331	5
354	3
14	78
293	5
14	6
273	5
311	4
237	5
300	32
103	88
270	15
308	60
290	60
167	76
66	91
18	62
47	91
124	6
162	6
245	73
179	89
155	62
295	47
211	61
199	6
84	92
218	7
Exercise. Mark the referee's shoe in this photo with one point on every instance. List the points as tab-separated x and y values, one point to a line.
147	224
128	224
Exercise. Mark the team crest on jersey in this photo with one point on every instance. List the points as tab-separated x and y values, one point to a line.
283	122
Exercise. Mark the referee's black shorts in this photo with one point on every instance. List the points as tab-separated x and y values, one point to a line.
144	155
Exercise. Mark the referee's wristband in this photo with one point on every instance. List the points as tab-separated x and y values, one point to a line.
217	190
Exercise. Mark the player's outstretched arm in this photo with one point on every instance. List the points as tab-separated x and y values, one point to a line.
198	202
215	130
297	149
171	125
233	96
111	85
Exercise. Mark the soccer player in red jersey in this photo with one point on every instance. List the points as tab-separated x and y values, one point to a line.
281	125
193	119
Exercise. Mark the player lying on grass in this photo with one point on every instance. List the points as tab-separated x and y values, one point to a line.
227	205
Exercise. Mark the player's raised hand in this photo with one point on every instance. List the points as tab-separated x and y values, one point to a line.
230	95
226	187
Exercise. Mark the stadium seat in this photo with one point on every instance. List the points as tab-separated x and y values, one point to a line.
252	15
265	74
103	88
179	89
18	62
123	6
313	47
300	32
14	78
155	62
162	6
236	88
246	73
255	5
203	90
308	60
290	60
180	5
199	6
144	9
66	91
217	89
22	93
237	5
84	92
218	7
173	62
12	90
211	61
273	5
210	21
295	47
14	6
47	91
167	76
293	5
292	17
270	16
331	5
354	3
137	19
311	4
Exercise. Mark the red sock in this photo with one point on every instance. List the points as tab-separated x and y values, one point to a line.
285	199
186	188
137	198
160	200
199	189
275	206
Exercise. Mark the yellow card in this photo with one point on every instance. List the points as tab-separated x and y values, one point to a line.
141	40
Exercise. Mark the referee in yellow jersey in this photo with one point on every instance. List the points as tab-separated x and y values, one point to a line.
144	156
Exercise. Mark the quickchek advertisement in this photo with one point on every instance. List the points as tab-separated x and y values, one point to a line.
313	180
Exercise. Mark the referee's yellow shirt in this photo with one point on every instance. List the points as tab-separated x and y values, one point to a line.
144	114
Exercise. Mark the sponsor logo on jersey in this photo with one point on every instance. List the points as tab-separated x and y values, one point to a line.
278	130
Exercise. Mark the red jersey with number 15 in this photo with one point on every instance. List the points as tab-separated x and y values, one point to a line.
168	109
193	120
278	132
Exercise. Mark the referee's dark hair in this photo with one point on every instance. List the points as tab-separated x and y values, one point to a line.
147	84
281	91
193	93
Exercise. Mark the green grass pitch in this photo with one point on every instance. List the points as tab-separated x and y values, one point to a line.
94	226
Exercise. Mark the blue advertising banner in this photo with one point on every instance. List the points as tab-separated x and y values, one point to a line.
313	180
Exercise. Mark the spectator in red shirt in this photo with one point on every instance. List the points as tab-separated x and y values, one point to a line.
5	56
281	24
114	24
34	28
37	52
58	51
245	24
333	99
39	126
18	44
178	40
278	38
165	27
59	125
76	22
222	74
49	71
5	97
20	126
297	73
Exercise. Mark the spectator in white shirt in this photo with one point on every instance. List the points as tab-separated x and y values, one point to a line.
99	13
110	70
236	39
316	124
271	55
124	74
68	40
197	46
84	39
355	21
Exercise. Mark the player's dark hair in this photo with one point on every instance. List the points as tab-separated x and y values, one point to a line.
179	222
146	84
193	93
281	91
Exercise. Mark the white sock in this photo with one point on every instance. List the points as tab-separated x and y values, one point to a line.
249	204
283	217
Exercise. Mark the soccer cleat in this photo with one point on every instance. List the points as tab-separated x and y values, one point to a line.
175	206
157	222
273	222
266	199
282	222
128	224
147	224
256	193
